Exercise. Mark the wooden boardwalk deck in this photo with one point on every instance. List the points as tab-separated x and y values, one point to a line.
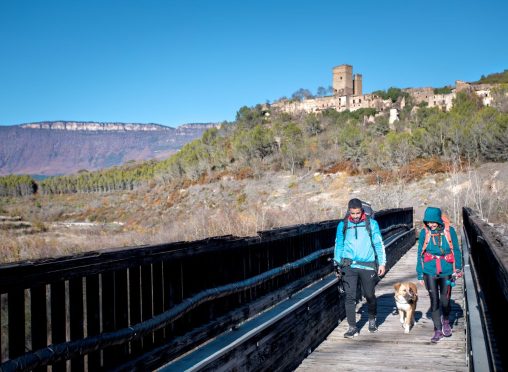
390	349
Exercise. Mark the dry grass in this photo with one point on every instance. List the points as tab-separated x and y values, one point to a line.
343	166
415	170
227	206
419	168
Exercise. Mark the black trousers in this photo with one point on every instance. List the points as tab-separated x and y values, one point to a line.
368	278
439	294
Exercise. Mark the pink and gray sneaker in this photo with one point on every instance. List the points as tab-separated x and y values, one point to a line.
438	335
447	330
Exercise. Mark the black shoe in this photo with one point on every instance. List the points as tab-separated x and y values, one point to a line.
372	325
351	332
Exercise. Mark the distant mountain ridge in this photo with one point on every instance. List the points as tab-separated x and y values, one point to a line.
105	126
65	147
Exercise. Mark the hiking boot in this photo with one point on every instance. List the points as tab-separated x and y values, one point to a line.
438	335
372	325
351	332
447	330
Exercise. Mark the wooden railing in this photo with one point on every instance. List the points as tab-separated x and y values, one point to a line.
114	308
487	255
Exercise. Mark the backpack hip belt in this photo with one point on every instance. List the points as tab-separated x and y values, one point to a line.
372	264
427	257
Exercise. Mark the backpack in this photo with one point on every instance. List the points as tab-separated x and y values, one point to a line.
369	214
450	258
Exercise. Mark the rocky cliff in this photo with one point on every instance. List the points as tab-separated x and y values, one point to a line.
65	147
93	126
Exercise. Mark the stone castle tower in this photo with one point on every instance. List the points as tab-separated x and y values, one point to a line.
344	84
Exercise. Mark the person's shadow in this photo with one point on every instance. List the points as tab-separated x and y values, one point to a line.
456	312
385	307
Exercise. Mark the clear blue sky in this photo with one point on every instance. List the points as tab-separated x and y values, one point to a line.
175	62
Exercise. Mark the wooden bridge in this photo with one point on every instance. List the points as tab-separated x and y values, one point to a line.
390	348
268	302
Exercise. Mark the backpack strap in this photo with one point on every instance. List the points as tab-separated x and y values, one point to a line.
367	226
448	236
427	239
344	226
369	231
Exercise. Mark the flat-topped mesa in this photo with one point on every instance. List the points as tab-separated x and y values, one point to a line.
94	126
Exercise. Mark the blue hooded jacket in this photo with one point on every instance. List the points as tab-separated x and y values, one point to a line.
357	245
437	246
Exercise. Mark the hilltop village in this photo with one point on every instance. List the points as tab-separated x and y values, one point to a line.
348	95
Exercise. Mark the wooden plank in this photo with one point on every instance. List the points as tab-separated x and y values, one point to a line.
93	318
39	323
158	299
58	320
16	319
135	304
121	312
147	302
109	355
171	280
390	348
2	341
76	314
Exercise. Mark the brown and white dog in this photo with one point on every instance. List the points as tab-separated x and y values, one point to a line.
406	297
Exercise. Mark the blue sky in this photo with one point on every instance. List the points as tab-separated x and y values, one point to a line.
176	62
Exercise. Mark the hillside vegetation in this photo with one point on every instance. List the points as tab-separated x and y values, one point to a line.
265	170
263	140
496	78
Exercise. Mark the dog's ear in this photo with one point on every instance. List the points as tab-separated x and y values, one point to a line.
413	287
396	286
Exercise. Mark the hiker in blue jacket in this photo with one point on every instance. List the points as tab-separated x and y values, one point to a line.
360	253
438	264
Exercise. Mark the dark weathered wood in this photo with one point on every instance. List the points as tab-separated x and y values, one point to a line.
158	299
39	319
89	263
182	344
174	293
109	355
121	312
76	318
147	302
16	318
1	330
93	318
33	273
58	319
489	254
135	305
277	339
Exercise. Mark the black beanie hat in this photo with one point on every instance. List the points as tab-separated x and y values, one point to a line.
355	203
